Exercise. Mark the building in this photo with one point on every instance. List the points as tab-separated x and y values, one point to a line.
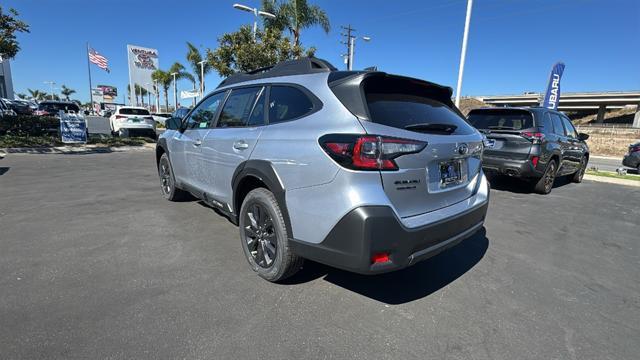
6	83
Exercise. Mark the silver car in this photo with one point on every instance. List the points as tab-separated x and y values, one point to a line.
361	170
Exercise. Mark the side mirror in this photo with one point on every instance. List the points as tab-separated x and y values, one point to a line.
173	123
583	136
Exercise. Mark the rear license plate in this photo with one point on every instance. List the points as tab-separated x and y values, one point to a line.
450	173
134	120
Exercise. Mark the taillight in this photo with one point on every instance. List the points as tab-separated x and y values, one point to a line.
534	161
148	118
534	137
120	117
368	152
634	148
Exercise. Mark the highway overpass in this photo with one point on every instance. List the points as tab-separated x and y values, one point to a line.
578	102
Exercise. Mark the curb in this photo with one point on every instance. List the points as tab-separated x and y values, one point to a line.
606	157
86	149
609	180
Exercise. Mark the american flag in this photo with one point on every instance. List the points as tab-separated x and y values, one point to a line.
99	60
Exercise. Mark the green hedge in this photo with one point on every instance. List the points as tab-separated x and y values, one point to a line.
29	125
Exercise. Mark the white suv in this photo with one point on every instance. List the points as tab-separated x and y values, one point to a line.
132	121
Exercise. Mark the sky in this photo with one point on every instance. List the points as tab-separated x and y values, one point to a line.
512	43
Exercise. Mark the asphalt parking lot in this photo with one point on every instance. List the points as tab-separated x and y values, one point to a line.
94	263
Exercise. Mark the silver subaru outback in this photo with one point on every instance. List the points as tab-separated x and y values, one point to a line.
361	170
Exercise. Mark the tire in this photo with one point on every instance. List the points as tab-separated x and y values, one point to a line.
168	182
578	175
264	237
544	185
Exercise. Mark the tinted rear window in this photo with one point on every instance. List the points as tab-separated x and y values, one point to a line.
501	119
130	111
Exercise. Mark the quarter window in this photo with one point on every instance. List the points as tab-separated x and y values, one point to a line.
287	103
203	116
238	107
558	129
547	124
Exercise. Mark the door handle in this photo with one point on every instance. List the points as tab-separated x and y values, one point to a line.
197	142
240	145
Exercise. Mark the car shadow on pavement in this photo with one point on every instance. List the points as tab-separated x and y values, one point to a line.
45	150
412	283
3	170
520	186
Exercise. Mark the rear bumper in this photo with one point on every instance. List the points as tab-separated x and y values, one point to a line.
369	230
510	167
631	160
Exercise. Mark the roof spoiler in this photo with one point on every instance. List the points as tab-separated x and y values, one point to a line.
305	65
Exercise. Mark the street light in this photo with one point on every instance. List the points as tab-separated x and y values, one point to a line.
175	92
202	77
51	83
464	51
352	46
256	13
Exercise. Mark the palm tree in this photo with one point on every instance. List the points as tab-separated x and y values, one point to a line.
295	15
163	78
67	92
181	73
194	57
37	94
21	96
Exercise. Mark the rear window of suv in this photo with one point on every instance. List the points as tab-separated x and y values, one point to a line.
501	119
131	111
413	105
55	107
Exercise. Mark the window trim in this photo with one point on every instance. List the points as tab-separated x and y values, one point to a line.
315	102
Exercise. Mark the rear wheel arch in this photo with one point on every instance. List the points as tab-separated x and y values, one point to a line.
161	148
253	174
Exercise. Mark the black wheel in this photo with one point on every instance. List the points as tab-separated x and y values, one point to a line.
264	237
578	175
168	181
545	183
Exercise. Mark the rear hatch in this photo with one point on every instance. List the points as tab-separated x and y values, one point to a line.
503	129
445	171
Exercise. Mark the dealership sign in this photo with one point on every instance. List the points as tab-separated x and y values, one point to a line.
142	63
73	128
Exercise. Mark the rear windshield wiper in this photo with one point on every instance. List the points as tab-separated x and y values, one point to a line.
432	128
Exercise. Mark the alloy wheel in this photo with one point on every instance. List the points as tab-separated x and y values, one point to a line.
549	177
260	235
165	177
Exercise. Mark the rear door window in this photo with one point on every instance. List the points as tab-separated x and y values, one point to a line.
501	119
570	131
287	103
238	107
558	128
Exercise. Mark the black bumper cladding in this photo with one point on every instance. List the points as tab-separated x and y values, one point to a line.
370	230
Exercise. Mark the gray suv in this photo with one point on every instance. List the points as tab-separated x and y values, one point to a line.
361	170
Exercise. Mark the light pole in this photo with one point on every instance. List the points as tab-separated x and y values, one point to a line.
256	13
202	77
175	92
464	50
352	46
157	96
149	95
51	83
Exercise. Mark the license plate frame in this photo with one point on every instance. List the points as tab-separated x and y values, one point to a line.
450	172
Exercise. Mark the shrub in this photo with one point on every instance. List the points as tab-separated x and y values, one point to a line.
29	125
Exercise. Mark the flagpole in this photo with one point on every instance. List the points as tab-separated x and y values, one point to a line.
90	86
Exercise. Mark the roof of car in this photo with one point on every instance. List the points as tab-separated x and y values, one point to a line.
505	108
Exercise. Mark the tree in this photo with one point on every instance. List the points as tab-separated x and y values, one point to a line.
181	73
37	94
238	52
194	58
67	92
9	25
21	96
163	78
295	15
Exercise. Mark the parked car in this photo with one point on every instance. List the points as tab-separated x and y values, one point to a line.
180	113
535	143
18	106
132	121
361	170
632	159
5	109
160	118
52	108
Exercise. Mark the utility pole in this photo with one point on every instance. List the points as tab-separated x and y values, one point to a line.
463	53
347	33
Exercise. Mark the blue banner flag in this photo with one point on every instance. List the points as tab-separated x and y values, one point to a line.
552	96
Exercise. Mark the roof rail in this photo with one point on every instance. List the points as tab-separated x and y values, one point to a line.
305	65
